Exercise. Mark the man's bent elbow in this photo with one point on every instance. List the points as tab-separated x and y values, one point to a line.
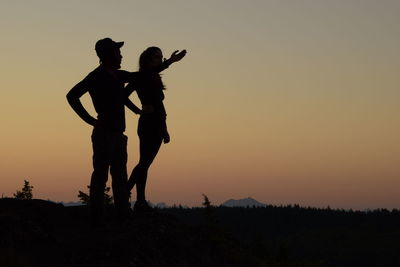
72	99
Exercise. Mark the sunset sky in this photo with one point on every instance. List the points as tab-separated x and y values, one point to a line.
283	101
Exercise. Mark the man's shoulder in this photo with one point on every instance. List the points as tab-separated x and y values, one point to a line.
125	76
97	76
99	71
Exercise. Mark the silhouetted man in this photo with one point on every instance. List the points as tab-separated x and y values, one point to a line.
105	85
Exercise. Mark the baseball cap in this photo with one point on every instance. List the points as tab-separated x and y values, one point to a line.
106	45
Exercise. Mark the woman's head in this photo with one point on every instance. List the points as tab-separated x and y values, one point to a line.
150	58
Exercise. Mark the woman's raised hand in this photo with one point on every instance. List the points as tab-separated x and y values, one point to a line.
176	55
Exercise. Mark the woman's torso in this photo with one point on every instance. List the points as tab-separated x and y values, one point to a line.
149	88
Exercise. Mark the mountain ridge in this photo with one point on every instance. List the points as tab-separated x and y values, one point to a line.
244	202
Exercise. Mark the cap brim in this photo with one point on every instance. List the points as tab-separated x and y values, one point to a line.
119	44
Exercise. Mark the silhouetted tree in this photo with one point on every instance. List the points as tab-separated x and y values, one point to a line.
25	193
209	211
206	203
85	197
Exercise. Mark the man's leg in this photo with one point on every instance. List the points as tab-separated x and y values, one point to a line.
101	162
119	174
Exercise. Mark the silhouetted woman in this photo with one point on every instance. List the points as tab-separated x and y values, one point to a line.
152	127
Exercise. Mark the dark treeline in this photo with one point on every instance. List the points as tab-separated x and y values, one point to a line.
315	237
43	233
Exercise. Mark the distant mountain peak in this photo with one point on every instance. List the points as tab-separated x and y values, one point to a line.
244	202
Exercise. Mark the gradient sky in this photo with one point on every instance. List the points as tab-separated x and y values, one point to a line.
283	101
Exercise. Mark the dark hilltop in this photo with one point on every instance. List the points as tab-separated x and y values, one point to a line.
42	233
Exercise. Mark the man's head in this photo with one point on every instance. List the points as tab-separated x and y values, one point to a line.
109	52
